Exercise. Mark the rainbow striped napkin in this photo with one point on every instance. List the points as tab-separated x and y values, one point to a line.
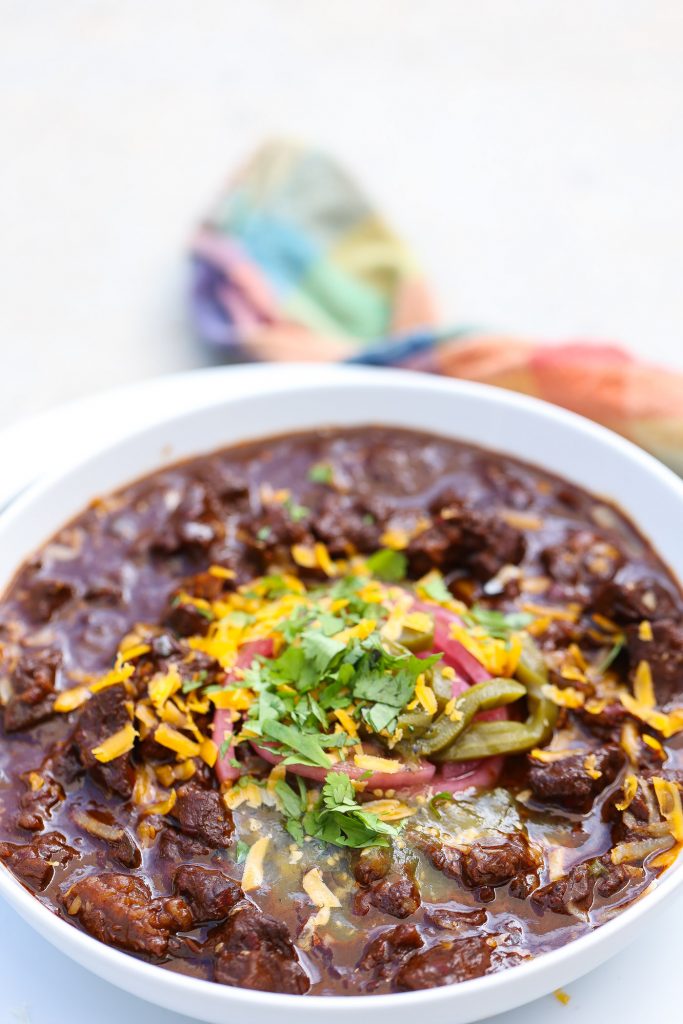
294	263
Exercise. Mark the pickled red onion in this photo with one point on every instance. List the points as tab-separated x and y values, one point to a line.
222	719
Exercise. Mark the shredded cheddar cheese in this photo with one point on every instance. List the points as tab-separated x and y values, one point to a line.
347	723
163	686
69	700
317	891
116	745
164	806
565	697
221	573
425	695
643	688
376	764
174	740
121	673
208	751
669	800
389	809
590	767
645	631
395	539
630	788
253	865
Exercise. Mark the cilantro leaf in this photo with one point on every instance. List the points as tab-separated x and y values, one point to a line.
388	565
497	624
225	746
321	473
381	716
338	818
241	851
320	649
330	624
337	790
394	690
435	587
438	799
301	743
296	512
296	830
292	803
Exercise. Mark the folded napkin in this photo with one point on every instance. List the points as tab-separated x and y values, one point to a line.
294	263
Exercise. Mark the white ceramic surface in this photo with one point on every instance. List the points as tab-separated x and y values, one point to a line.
309	397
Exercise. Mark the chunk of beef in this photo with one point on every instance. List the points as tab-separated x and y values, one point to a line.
346	526
43	598
33	689
446	859
495	861
575	892
195	525
396	894
206	586
63	763
388	948
186	619
605	723
663	653
101	824
35	862
202	814
568	893
455	920
103	592
583	558
210	895
119	911
272	534
175	847
45	787
445	964
253	950
634	601
165	646
488	862
371	864
570	782
465	539
43	793
103	715
635	822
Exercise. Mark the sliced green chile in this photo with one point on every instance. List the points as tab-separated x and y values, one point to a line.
443	731
489	739
443	688
414	723
416	640
486	739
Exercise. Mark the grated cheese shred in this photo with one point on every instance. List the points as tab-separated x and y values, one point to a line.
253	865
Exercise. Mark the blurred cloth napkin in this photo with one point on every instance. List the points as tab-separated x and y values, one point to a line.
294	263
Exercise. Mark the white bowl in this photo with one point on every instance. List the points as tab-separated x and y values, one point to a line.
307	397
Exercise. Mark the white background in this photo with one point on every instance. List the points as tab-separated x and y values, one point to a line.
532	152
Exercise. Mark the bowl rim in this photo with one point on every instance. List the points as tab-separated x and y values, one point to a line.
304	376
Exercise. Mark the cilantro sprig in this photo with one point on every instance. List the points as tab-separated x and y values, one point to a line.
388	565
337	817
497	624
